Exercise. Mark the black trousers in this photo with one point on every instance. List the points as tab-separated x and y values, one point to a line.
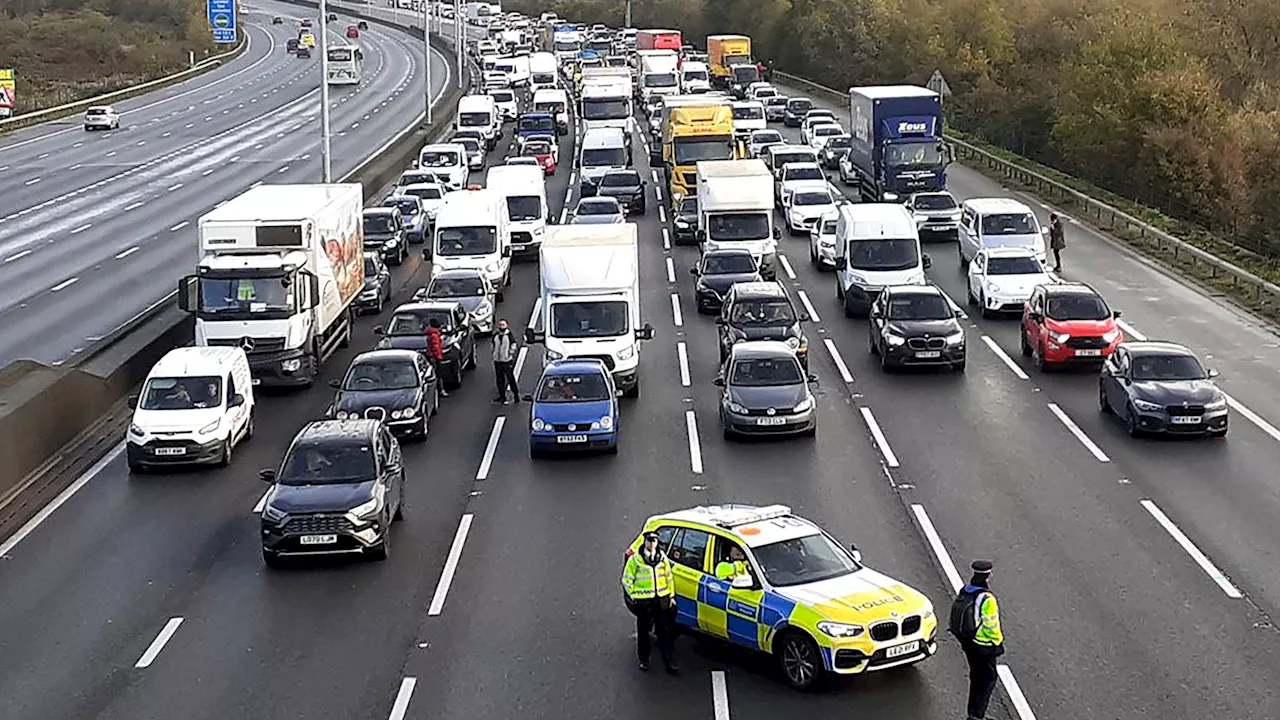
653	615
1057	258
504	374
982	680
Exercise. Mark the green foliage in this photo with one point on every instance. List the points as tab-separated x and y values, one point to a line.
65	50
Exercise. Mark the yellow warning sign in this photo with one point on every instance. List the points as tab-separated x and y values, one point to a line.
8	92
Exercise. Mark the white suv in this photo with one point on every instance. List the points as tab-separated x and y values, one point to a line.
101	117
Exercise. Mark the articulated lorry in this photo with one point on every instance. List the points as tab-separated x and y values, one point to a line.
590	301
279	268
897	146
658	40
735	210
694	128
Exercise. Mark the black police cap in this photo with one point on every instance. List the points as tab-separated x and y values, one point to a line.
981	566
651	536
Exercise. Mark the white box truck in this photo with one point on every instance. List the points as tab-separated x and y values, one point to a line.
279	268
735	210
606	99
659	73
590	301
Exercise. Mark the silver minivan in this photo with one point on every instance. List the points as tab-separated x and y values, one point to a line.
998	222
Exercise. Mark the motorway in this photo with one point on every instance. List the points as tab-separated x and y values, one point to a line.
95	227
1136	577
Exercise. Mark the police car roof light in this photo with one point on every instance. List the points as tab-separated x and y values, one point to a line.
747	516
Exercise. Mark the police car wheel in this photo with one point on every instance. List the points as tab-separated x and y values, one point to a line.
800	660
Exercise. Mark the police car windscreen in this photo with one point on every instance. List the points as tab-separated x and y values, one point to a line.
803	560
586	387
328	463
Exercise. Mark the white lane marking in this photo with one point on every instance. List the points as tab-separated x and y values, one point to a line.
1015	693
6	167
520	358
207	173
676	317
657	190
719	695
939	550
17	256
835	355
1255	418
573	177
174	187
127	253
450	565
1070	424
533	314
1131	331
695	446
77	166
64	284
400	707
153	650
662	214
666	239
568	195
786	267
179	226
564	214
808	306
671	271
134	206
1004	357
81	229
1201	559
42	156
262	503
32	181
654	174
491	447
39	518
283	170
682	354
878	435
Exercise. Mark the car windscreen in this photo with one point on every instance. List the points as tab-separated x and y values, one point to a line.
935	202
799	106
575	387
535	126
181	393
762	312
1167	368
799	561
598	157
918	307
886	254
96	111
589	319
748	112
627	179
524	207
729	264
480	240
840	142
827	131
413	177
605	109
474	119
1009	224
503	96
766	372
689	205
235	296
537	148
378	224
695	75
469	143
1077	307
439	158
690	151
328	464
416	322
746	74
812	198
426	193
381	375
761	138
370	267
1013	266
738	226
659	79
549	107
601	206
804	173
407	207
454	287
783	158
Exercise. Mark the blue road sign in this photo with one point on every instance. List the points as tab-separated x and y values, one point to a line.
223	35
222	20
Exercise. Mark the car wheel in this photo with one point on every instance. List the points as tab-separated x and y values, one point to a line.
471	358
1218	434
499	296
381	551
1103	403
799	660
964	264
982	300
968	291
1131	422
871	345
225	458
848	305
381	304
1026	346
435	402
1037	356
959	367
399	510
813	255
634	392
271	559
885	365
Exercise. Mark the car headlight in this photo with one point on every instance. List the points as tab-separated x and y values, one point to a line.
1219	404
484	310
683	225
993	288
735	407
841	630
538	424
492	267
928	613
390	244
1059	337
211	427
803	406
857	278
606	422
955	338
1146	405
894	339
396	414
793	343
408	412
1110	336
553	355
135	430
273	514
627	353
368	509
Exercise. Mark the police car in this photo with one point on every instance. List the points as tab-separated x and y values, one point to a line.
809	602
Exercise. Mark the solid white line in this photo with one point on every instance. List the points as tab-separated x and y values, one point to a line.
662	214
58	501
882	443
64	284
682	353
533	314
666	239
1253	417
671	271
835	355
1201	559
491	448
520	357
1075	430
82	228
401	706
808	306
134	206
1015	693
450	565
179	226
939	550
262	502
126	253
17	256
157	645
676	317
695	447
1131	331
719	695
1004	357
32	181
786	267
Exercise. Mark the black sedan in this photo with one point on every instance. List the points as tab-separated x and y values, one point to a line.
625	186
398	387
277	20
1160	387
719	270
685	220
384	233
797	108
377	285
914	325
765	392
408	331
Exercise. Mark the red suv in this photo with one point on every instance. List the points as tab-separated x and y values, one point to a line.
1068	323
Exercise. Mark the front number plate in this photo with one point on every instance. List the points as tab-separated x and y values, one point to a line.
1185	419
1089	353
571	439
171	451
901	650
771	421
318	539
929	354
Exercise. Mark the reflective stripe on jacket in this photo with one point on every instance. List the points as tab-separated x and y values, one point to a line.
987	614
730	569
644	581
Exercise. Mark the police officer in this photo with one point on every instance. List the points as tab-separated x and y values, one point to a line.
735	566
647	580
975	621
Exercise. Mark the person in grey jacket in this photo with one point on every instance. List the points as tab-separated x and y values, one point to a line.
504	362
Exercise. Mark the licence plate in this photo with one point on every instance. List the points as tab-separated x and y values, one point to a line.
1185	419
571	438
771	421
929	354
901	650
1089	353
318	539
171	451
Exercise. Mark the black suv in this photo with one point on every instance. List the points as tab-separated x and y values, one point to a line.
761	311
797	108
397	387
340	486
384	234
719	270
916	325
408	331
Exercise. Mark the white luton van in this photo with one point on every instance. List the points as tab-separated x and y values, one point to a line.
472	232
542	71
590	302
279	268
735	210
524	191
877	245
195	407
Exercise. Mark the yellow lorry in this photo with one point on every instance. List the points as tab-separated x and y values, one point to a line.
723	53
694	128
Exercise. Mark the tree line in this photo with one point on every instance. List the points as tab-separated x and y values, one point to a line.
1174	104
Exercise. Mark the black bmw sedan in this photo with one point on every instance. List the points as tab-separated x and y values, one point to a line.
1161	387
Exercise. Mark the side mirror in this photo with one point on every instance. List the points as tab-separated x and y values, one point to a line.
694	271
720	321
804	317
506	252
236	400
1213	373
267	476
655	158
335	384
553	220
186	293
813	378
1116	314
743	582
718	382
379	330
1044	231
647	332
133	402
701	235
777	234
531	336
928	262
1036	317
841	263
527	397
857	554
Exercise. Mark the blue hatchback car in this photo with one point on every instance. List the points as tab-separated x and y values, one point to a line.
574	408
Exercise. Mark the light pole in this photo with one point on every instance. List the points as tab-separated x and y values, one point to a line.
627	22
457	35
426	55
325	159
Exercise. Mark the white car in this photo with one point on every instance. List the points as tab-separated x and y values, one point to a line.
760	139
937	214
522	160
815	117
1001	279
101	117
748	116
820	133
505	99
475	152
757	87
794	173
806	203
431	195
822	241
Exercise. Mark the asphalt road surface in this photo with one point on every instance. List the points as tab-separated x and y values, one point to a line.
95	227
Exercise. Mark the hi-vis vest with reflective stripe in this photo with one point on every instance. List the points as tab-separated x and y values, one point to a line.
643	581
988	621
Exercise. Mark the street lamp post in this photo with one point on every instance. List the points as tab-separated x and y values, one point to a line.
426	55
457	35
325	159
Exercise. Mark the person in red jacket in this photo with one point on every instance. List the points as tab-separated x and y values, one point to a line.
435	350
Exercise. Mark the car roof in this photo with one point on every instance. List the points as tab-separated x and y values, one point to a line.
749	524
339	431
994	205
459	273
1070	288
387	354
380	210
761	350
598	199
919	290
574	365
622	171
728	251
1010	252
801	166
418	305
1157	347
759	289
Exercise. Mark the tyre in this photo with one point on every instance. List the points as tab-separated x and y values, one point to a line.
1103	403
968	291
799	660
271	559
224	459
381	551
1131	422
499	296
399	511
634	392
1026	346
959	367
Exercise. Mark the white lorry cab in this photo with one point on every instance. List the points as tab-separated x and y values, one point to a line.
659	72
735	210
448	161
524	192
542	71
695	78
590	299
194	408
877	245
472	232
480	112
553	101
606	99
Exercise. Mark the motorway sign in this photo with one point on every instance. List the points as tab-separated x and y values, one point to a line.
8	93
938	84
222	35
222	20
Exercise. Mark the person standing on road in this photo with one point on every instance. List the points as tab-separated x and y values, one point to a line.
975	622
650	589
435	351
1057	240
504	363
